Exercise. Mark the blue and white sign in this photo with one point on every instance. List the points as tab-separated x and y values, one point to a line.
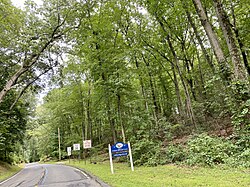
120	154
120	149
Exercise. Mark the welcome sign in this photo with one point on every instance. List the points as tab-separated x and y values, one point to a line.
119	149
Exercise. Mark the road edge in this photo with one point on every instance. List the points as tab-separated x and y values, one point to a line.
10	177
97	179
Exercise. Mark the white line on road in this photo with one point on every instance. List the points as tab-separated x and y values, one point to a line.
10	177
79	171
83	173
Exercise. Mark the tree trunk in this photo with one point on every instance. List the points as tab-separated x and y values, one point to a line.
112	123
202	84
188	99
204	51
90	133
241	45
177	91
120	117
239	72
142	86
153	93
224	67
11	82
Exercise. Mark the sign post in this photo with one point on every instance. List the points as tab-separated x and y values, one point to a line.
69	152
120	149
130	157
86	145
110	159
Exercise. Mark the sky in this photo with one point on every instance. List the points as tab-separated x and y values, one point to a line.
20	3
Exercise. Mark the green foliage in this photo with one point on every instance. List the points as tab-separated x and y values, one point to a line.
206	150
174	154
12	128
241	118
168	155
7	170
242	155
144	152
201	149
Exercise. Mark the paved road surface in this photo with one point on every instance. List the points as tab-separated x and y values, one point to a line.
50	175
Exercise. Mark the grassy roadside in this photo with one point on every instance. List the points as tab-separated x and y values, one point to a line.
7	170
168	175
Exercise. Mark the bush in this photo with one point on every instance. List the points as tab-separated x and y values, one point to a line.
242	154
144	152
200	150
175	153
241	117
206	150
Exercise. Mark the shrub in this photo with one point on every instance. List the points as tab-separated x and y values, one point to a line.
242	154
144	152
206	150
173	154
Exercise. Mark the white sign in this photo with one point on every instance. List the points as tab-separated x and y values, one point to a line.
76	147
87	144
69	151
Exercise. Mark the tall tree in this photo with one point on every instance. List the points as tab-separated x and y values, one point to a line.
239	70
37	41
224	66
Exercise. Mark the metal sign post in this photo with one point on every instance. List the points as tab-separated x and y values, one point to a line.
130	157
110	159
69	152
87	144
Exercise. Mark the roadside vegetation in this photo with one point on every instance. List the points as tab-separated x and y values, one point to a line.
167	175
7	170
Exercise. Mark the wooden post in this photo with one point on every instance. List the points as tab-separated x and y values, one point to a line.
59	144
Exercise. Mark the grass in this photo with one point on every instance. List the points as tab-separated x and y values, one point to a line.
7	170
168	175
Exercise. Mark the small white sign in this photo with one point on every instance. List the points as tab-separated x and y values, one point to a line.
87	144
69	151
76	147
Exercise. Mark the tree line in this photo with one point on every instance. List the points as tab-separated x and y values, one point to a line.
144	71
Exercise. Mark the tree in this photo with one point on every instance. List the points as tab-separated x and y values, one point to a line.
239	71
37	47
213	39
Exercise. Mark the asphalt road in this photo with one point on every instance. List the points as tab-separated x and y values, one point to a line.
49	175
